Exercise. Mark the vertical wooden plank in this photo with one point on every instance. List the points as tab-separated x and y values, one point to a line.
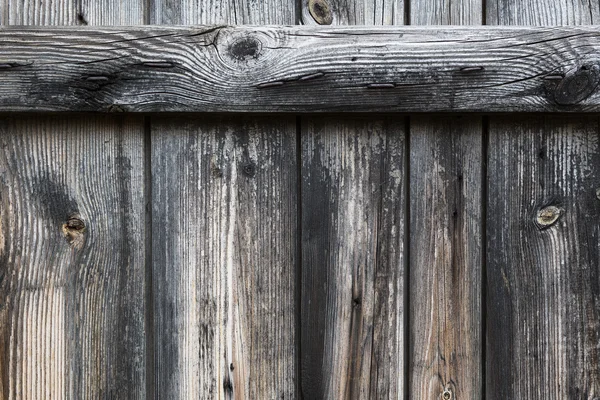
445	258
353	216
353	209
543	274
71	240
225	239
445	268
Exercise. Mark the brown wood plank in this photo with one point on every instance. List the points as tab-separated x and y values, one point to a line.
445	293
353	193
543	280
288	69
225	238
72	239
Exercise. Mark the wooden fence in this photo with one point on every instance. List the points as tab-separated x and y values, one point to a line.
276	211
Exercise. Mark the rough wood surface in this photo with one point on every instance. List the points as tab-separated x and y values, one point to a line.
543	277
353	219
283	69
353	183
445	295
224	257
71	258
72	239
225	195
445	258
543	311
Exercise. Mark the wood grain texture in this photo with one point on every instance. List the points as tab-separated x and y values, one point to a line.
224	257
445	258
352	12
225	197
287	69
230	12
71	293
445	271
353	244
72	239
543	278
72	12
352	258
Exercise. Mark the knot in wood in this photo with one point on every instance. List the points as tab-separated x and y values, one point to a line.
320	10
577	85
75	224
547	216
249	169
447	394
74	232
245	48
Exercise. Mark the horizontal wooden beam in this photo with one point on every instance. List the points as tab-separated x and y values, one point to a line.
300	69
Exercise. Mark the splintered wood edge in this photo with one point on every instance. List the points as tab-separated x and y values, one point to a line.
299	69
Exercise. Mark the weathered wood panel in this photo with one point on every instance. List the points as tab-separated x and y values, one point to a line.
71	258
353	206
284	69
446	238
445	258
543	312
544	257
225	196
72	240
353	221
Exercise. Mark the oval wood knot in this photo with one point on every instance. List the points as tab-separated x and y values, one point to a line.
577	85
547	216
447	394
245	48
74	230
320	10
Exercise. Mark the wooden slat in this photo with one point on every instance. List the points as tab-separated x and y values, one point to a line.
445	236
72	314
72	234
353	216
225	197
283	69
543	275
353	183
445	258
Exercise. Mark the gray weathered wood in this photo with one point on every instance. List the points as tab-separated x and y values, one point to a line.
353	219
225	205
224	247
543	275
353	183
445	238
71	292
279	69
445	258
543	311
72	239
